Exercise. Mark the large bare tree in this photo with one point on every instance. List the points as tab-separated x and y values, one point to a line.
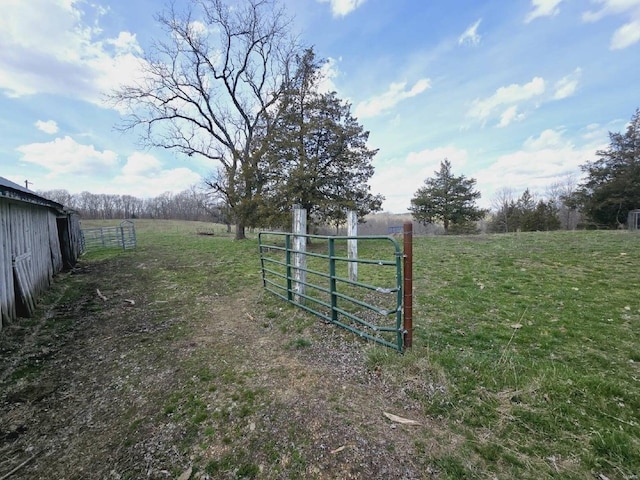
208	87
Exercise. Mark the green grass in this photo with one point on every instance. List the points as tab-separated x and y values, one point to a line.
526	347
537	335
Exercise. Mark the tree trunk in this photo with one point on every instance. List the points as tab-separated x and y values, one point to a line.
240	231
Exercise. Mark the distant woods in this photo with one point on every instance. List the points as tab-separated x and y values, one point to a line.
190	204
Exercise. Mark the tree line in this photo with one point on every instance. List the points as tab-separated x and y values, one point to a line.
609	191
191	204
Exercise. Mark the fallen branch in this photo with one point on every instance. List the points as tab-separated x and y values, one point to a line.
397	419
186	475
104	299
7	475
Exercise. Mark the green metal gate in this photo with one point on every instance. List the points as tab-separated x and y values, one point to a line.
369	305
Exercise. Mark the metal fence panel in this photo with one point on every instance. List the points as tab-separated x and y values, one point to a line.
122	236
371	309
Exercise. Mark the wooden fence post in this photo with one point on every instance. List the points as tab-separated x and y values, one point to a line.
352	244
299	254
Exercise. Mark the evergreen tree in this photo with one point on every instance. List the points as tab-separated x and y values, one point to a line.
525	215
612	185
318	156
446	198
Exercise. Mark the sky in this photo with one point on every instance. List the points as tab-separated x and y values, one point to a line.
515	94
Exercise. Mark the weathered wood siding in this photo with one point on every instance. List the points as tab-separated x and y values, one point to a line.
30	255
7	293
54	244
71	243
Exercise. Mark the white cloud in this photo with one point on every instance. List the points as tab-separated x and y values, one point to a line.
597	136
340	8
533	169
140	164
543	8
61	54
65	156
549	138
509	115
154	183
199	27
471	35
50	126
144	175
594	131
431	157
126	42
328	72
626	35
482	109
566	86
65	164
609	7
389	99
543	159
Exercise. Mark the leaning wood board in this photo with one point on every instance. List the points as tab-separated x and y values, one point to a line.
25	288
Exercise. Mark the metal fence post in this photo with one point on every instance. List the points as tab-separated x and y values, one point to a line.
333	286
287	260
408	284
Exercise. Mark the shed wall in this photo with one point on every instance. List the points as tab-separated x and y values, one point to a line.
29	236
70	235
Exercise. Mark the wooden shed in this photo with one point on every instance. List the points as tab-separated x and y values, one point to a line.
38	238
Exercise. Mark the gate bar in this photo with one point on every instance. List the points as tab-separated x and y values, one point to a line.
408	283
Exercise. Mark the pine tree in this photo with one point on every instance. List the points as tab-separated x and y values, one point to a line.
612	185
318	156
446	198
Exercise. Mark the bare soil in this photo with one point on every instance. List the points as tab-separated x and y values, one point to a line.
128	383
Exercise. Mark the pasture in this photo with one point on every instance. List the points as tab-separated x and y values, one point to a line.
170	361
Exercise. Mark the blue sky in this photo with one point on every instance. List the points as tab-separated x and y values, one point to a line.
516	94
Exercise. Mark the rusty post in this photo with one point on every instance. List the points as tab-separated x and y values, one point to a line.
408	284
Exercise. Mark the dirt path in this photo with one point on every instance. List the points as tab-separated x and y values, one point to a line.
158	382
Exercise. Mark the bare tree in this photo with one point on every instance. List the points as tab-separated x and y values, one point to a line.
209	86
61	196
503	204
217	203
560	194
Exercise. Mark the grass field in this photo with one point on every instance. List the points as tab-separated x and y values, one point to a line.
535	339
526	363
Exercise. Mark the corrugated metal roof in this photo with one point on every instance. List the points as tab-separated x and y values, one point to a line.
8	183
11	190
